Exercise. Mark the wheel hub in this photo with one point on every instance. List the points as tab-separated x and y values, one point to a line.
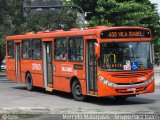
78	90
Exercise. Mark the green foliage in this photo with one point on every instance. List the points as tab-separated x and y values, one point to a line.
87	6
123	13
11	21
51	21
68	2
12	16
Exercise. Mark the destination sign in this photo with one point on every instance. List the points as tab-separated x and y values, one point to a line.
126	33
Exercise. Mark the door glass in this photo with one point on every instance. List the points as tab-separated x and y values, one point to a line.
18	62
49	62
91	66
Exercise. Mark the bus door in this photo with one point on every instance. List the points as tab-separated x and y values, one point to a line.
47	65
91	68
18	65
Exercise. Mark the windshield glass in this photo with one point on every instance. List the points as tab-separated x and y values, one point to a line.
122	56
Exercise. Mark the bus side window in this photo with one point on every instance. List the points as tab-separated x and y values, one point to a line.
60	49
26	50
10	49
75	49
36	49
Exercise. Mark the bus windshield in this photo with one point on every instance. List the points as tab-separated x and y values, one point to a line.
123	56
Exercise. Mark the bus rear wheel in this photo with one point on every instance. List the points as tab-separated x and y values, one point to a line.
77	91
29	82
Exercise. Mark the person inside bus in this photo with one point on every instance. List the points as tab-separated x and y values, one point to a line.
63	56
57	57
126	56
72	49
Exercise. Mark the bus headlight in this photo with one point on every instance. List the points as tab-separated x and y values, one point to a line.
106	82
150	80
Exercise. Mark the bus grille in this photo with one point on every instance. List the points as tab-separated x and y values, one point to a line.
129	83
129	74
138	89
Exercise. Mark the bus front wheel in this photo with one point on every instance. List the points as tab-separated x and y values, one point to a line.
77	91
29	82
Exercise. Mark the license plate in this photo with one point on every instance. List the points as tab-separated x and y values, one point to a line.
131	89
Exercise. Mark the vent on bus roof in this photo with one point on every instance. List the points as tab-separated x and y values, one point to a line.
129	75
58	30
74	29
97	27
29	33
40	32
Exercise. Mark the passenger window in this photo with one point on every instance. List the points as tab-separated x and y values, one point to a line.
60	49
26	50
36	49
75	49
10	49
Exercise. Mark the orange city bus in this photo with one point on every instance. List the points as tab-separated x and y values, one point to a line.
99	61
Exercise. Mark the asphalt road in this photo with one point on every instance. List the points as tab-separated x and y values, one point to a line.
15	99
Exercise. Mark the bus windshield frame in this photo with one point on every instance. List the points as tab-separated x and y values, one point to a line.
126	56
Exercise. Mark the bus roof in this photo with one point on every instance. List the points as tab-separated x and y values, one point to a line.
73	32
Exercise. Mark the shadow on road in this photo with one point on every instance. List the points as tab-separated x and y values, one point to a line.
43	91
5	81
92	100
112	101
108	101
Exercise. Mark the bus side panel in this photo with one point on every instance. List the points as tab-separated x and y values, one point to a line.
23	75
25	67
10	69
83	85
37	80
63	73
36	68
57	83
61	80
62	84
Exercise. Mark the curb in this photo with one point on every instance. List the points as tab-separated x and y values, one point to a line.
2	75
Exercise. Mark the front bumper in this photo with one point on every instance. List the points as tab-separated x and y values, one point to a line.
119	90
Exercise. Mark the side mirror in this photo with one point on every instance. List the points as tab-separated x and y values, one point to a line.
97	50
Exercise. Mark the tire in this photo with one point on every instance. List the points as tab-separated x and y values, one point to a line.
77	91
120	98
29	82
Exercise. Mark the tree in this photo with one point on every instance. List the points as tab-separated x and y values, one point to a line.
11	21
123	13
2	51
120	12
63	19
88	6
